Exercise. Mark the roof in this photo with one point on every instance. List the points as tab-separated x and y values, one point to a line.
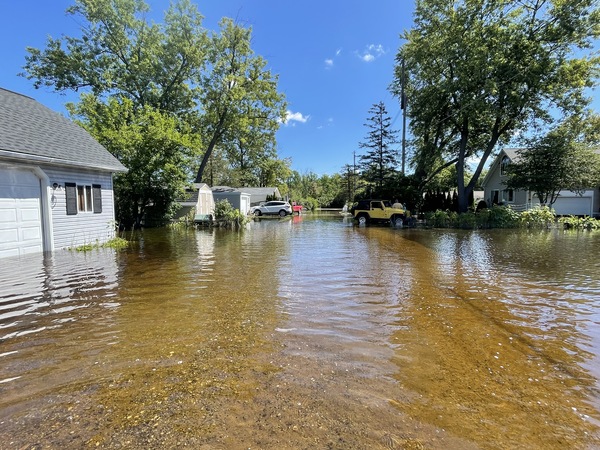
261	191
513	155
29	131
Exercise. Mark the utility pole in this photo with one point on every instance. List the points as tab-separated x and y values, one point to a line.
403	108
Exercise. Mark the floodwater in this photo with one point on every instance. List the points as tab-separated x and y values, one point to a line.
305	333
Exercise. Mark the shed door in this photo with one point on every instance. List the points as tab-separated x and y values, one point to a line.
20	212
576	206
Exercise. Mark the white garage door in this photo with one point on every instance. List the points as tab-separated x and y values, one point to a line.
20	213
576	206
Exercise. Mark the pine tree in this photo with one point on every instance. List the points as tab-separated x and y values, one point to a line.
380	161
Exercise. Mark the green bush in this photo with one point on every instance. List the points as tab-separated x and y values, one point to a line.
579	223
538	217
227	216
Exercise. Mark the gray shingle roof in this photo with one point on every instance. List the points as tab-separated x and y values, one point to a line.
30	131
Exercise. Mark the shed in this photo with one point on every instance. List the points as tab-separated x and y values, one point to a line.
205	203
236	197
56	186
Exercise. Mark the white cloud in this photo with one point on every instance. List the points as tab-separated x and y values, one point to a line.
371	52
329	61
292	117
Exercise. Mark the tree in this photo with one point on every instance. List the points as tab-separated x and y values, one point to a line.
120	53
480	71
565	158
212	88
152	144
380	161
239	95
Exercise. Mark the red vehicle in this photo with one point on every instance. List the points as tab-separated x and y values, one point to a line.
296	208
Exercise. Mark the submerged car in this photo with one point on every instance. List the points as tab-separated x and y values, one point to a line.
274	207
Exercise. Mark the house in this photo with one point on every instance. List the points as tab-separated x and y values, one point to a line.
568	203
56	187
260	194
238	198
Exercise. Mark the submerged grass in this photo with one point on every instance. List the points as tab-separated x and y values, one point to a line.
116	243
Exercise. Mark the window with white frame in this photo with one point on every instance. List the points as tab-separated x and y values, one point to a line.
83	198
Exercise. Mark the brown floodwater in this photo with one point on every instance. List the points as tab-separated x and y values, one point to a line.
305	333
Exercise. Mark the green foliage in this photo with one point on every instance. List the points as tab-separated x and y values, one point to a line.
579	223
228	216
242	107
562	159
379	162
158	150
116	243
539	217
162	96
481	71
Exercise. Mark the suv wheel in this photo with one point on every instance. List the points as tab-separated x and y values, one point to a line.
257	212
282	213
363	219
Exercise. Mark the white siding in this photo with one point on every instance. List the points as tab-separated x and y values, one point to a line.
84	227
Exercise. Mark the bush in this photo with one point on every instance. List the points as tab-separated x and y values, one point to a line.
579	223
227	216
538	217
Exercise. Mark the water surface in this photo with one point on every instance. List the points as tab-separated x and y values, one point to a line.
306	332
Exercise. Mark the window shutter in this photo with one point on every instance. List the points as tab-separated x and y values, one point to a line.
97	195
71	195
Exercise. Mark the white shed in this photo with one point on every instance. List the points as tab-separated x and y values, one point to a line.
237	198
205	205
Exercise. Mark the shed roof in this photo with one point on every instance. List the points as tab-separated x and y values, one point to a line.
29	131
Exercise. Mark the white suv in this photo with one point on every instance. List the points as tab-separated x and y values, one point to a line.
273	207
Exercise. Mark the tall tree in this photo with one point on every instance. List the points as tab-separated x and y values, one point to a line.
480	71
237	92
380	160
121	53
566	158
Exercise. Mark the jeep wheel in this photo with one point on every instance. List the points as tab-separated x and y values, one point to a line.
397	222
363	219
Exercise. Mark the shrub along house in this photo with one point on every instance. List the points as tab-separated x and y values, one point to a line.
56	188
568	203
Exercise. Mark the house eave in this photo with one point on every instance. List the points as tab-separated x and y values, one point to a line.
28	158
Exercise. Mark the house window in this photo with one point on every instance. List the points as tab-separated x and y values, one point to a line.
508	196
82	198
504	165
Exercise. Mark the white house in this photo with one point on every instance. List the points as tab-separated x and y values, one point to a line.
56	187
568	203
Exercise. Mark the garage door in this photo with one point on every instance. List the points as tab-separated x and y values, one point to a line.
20	213
576	206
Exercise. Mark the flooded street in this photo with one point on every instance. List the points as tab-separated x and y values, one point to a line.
305	333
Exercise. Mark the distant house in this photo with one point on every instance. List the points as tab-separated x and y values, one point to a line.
260	194
239	198
568	203
56	188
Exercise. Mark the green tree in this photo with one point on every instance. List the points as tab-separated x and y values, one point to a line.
566	158
120	53
239	95
380	160
479	71
158	152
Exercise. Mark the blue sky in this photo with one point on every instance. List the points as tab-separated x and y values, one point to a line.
334	59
